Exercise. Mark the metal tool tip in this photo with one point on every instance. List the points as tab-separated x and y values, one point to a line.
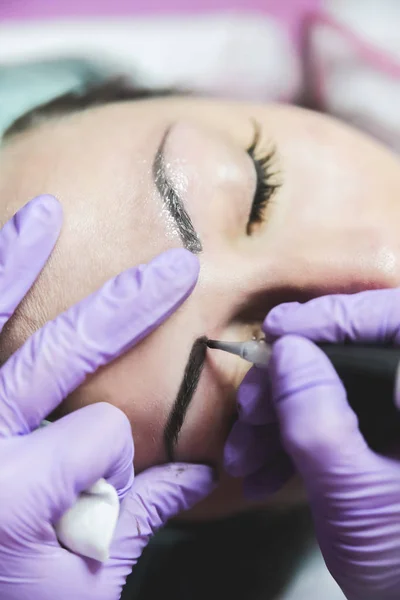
213	344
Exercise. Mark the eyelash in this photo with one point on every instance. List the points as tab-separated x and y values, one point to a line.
265	187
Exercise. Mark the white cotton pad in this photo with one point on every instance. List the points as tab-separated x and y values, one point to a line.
88	527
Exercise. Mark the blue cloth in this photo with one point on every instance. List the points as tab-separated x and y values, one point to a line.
24	86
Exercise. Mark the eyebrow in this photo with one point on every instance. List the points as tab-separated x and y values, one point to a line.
173	202
191	376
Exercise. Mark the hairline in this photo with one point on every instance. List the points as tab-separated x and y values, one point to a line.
115	91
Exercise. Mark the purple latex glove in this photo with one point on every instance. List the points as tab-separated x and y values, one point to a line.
254	449
354	493
43	471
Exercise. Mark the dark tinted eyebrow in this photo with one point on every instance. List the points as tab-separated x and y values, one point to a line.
191	376
173	202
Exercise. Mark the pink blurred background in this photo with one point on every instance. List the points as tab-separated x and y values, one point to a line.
289	11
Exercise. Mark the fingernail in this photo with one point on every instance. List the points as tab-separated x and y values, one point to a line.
42	208
178	262
273	325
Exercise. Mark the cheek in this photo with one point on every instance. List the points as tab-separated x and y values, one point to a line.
332	239
126	384
334	224
335	260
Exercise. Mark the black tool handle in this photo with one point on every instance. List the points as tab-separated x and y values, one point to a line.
370	375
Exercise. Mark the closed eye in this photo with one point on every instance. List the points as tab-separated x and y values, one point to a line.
266	184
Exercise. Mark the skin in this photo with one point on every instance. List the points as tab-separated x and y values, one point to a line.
331	227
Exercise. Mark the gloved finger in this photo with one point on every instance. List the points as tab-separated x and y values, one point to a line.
26	242
372	316
319	430
270	478
157	495
254	398
91	443
249	447
57	358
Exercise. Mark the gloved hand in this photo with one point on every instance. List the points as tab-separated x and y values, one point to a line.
254	449
42	471
354	493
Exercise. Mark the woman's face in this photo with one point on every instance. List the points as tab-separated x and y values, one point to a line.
121	172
